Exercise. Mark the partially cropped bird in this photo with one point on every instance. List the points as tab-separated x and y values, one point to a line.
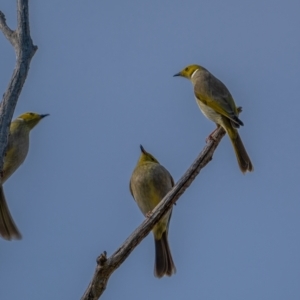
16	152
217	104
149	183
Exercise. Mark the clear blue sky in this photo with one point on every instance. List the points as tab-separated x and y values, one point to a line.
104	72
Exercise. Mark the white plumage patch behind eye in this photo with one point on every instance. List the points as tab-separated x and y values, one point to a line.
194	73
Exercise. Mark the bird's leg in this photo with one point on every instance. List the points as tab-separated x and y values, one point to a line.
210	137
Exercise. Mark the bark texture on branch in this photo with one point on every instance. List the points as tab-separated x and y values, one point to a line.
24	48
106	266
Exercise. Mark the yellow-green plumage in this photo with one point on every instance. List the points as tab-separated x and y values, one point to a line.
16	152
217	104
149	183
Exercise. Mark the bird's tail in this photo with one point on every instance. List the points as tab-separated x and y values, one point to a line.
8	228
242	156
164	264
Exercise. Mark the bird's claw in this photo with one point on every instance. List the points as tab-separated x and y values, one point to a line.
211	137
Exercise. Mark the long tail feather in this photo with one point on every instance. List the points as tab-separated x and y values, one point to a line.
164	264
242	156
8	228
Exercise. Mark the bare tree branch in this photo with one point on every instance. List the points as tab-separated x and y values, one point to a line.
24	48
106	266
9	34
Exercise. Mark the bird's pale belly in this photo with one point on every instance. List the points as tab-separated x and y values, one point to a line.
209	112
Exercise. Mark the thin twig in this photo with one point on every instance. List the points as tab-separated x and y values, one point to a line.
24	48
106	266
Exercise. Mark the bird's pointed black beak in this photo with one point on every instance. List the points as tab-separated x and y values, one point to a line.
45	115
142	149
177	74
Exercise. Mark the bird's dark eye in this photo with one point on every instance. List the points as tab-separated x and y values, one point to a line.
186	69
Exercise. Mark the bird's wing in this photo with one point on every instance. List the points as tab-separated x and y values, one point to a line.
216	96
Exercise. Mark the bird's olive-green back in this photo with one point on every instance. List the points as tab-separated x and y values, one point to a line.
149	182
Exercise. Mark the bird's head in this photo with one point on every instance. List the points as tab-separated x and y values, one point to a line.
146	157
189	71
31	119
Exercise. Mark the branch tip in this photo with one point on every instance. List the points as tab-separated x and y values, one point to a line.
2	17
102	259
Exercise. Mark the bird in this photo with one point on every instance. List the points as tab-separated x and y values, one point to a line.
16	152
217	104
149	183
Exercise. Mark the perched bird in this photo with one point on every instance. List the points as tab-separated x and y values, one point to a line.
16	152
149	183
217	104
